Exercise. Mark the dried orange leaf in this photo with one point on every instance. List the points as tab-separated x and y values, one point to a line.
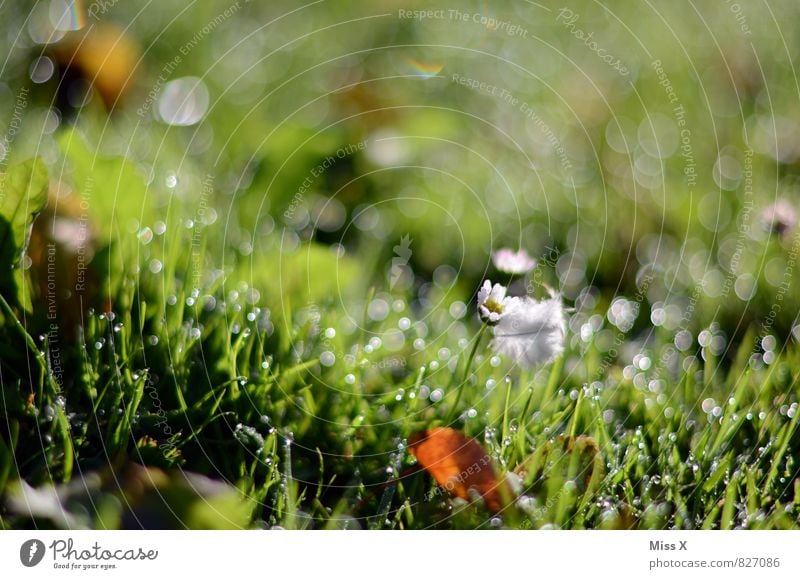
458	464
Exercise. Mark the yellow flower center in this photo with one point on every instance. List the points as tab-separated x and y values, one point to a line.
493	306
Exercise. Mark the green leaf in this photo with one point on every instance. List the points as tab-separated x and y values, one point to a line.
111	187
23	194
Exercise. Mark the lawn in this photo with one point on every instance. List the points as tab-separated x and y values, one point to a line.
244	246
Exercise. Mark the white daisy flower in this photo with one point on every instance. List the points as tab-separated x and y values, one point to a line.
515	262
493	303
533	333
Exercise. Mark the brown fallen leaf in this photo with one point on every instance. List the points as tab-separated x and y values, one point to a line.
567	457
105	56
459	464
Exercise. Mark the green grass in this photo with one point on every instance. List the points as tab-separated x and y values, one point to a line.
232	366
245	400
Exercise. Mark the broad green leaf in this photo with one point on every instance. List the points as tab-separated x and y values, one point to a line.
23	194
112	187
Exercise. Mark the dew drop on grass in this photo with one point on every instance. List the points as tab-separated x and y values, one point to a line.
494	361
437	395
458	310
377	310
472	413
434	365
350	379
404	324
145	235
683	340
327	358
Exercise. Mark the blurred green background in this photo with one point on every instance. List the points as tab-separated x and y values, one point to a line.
576	141
284	167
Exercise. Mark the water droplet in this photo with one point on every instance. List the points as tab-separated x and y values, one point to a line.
171	180
183	101
145	235
378	309
41	70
